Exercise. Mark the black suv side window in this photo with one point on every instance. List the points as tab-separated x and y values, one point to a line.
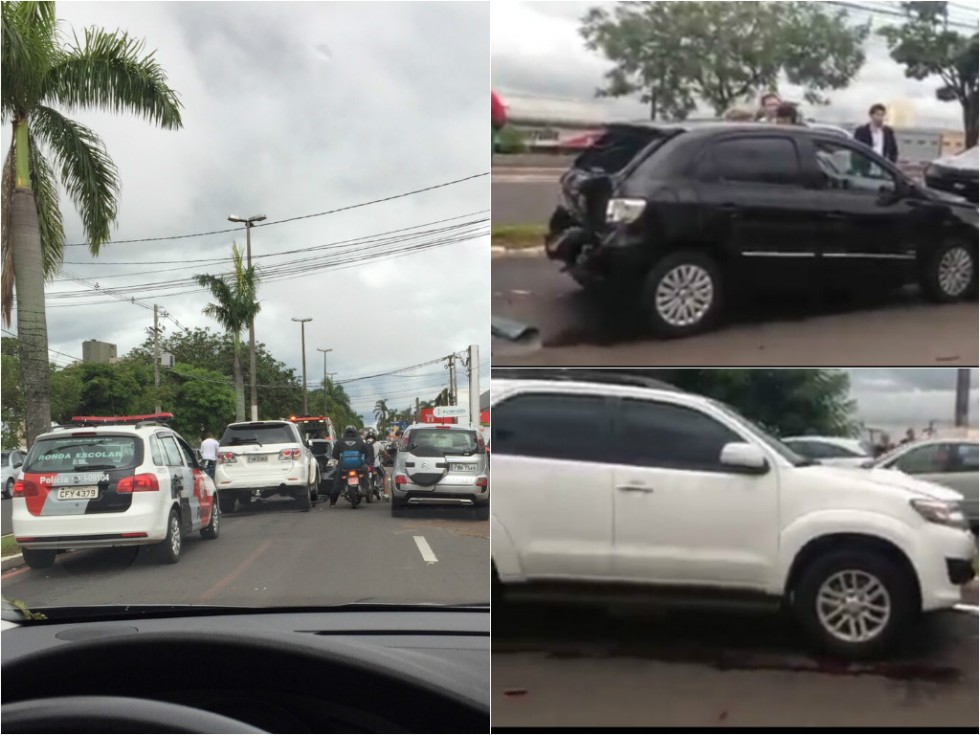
757	160
552	426
657	434
846	167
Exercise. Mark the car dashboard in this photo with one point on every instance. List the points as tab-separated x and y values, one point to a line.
365	671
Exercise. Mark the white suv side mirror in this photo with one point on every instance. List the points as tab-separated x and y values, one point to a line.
744	457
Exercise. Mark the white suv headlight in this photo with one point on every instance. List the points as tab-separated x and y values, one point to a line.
947	513
624	211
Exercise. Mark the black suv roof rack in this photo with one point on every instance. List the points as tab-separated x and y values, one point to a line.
608	375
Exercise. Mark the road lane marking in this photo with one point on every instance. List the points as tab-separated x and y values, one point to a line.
425	550
963	607
230	577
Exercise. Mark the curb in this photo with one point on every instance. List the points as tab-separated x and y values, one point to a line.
9	562
499	251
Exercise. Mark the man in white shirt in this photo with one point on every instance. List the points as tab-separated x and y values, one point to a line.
209	453
878	136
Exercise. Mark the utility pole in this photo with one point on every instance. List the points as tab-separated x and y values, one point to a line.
324	351
156	355
249	223
962	415
418	410
302	331
473	364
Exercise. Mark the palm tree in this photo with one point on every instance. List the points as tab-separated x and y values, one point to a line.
40	72
235	306
381	412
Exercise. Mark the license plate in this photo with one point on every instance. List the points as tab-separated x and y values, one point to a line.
257	458
78	493
454	467
353	481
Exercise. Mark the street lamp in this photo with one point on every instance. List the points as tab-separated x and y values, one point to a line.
302	330
249	223
324	351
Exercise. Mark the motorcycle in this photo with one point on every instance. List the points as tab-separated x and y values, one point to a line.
352	487
373	485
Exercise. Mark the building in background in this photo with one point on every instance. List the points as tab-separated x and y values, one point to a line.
100	352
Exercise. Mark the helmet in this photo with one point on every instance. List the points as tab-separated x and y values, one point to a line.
370	434
350	429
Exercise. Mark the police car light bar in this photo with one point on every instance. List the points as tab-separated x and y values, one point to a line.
113	420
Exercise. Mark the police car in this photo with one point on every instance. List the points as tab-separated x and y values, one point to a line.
111	481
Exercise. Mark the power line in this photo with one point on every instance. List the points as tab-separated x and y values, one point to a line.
293	219
880	11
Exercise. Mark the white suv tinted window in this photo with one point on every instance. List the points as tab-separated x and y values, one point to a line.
259	433
553	426
655	434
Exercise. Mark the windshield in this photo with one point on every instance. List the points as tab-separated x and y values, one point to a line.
221	354
765	437
75	454
448	441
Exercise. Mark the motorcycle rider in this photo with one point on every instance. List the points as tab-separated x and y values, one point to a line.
371	437
351	452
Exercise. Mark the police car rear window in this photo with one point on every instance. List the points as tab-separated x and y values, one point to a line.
258	434
77	454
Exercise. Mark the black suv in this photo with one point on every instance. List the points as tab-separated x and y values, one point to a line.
686	215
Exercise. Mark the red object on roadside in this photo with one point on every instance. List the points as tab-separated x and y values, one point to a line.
498	112
427	416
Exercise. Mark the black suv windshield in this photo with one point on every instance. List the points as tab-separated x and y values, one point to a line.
257	434
446	440
75	453
616	148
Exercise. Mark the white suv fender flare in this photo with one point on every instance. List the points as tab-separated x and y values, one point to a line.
821	524
503	551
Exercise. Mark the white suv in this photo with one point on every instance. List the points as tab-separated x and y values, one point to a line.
264	458
129	483
610	487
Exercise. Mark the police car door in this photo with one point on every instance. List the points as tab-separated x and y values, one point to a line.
181	479
199	499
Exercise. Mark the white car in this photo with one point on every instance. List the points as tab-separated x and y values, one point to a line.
830	450
128	481
10	461
948	462
608	488
258	459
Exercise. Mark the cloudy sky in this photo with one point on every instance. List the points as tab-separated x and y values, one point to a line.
895	399
292	109
538	51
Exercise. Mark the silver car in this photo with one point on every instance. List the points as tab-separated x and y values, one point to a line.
441	464
11	460
948	462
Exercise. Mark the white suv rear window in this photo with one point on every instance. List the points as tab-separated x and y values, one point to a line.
258	434
77	454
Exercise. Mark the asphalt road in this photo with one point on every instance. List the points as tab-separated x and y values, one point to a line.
554	667
577	328
523	196
276	555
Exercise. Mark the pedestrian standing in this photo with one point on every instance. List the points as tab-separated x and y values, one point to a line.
209	453
878	136
768	106
786	114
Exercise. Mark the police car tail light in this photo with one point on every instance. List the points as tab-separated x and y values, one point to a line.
138	484
25	489
227	458
289	454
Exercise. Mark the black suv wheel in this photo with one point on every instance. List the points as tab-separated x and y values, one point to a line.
951	273
682	294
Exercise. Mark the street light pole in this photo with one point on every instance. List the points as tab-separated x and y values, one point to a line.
302	330
249	223
324	351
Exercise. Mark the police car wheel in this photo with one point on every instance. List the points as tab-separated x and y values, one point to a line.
214	525
169	549
39	558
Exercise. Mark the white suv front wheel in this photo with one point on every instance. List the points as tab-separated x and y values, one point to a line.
854	603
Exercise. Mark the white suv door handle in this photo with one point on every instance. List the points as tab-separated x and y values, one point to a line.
635	488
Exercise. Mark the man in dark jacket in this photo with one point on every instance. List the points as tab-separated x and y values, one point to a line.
878	136
351	452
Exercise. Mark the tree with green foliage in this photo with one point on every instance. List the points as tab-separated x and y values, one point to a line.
927	47
511	141
41	72
202	401
11	394
338	405
674	54
235	306
786	402
381	412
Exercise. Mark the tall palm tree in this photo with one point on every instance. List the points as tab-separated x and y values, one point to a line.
234	307
41	71
381	412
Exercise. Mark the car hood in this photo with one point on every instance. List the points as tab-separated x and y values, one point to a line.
877	478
